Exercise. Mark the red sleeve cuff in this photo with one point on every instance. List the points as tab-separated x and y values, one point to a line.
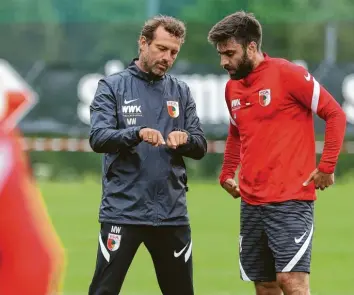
326	168
224	177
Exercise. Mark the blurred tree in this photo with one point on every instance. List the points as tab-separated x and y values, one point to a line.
209	11
174	8
109	11
68	10
91	30
309	11
271	11
9	11
31	24
305	22
291	27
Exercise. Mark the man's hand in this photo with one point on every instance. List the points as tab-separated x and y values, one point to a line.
320	179
231	187
176	138
151	136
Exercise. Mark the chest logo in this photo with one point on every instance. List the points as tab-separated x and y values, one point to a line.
173	109
235	104
264	97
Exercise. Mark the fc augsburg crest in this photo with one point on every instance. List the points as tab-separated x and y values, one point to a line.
264	97
113	242
173	109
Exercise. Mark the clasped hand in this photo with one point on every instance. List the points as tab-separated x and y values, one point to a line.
155	138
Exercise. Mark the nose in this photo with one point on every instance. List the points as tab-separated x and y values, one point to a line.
167	57
224	61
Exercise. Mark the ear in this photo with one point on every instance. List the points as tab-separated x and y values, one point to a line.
142	42
252	47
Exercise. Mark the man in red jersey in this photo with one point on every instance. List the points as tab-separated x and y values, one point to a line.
31	255
271	135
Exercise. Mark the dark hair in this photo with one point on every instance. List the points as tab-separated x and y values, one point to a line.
172	25
241	26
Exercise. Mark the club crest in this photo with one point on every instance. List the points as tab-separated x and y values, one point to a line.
264	97
113	242
173	109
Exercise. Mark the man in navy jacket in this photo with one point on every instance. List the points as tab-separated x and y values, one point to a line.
145	122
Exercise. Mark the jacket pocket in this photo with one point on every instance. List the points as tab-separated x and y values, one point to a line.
178	173
108	162
127	163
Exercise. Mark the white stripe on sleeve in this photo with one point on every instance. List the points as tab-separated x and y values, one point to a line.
315	96
233	122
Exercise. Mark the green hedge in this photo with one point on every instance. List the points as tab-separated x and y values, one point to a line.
77	165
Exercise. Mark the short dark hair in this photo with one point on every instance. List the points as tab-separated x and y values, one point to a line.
241	26
172	25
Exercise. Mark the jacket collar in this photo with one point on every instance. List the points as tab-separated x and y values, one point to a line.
136	71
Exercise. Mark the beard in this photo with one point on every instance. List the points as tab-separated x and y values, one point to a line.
156	68
244	68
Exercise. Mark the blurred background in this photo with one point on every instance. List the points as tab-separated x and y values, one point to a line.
57	50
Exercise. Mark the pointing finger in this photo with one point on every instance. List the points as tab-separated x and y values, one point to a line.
311	177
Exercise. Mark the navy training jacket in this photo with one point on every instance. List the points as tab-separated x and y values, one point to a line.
142	184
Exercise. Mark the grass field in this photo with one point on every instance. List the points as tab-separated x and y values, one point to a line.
215	229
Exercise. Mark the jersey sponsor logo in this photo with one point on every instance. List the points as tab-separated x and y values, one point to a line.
298	240
116	229
308	77
264	97
113	242
173	109
131	112
235	104
131	109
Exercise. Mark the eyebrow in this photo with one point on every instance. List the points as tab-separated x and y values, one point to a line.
226	51
166	47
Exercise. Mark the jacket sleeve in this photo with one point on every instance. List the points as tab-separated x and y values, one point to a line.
105	137
313	96
231	154
196	146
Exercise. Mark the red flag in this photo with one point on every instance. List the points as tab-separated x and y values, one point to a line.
17	98
32	257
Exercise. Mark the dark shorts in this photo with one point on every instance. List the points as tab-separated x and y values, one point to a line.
170	248
275	238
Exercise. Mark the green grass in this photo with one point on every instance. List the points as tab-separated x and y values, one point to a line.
215	229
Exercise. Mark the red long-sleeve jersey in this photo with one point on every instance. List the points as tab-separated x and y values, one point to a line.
31	255
271	132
